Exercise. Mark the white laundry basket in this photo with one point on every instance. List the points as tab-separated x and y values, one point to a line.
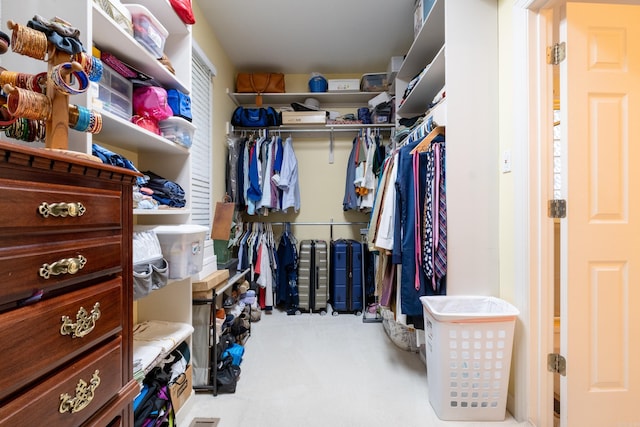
469	340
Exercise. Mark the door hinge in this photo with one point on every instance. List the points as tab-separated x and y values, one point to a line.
556	53
556	364
557	208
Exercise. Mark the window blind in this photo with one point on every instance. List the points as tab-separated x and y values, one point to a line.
201	106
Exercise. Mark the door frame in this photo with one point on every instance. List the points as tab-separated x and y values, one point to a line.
534	22
534	263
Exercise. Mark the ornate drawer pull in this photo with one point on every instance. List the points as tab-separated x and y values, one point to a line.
85	322
61	209
84	395
64	266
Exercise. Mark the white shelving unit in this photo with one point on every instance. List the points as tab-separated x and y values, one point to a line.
327	100
458	44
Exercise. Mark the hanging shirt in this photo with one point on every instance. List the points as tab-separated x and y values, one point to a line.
385	233
267	173
288	181
254	192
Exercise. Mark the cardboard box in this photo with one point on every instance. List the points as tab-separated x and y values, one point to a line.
180	390
211	281
344	85
304	117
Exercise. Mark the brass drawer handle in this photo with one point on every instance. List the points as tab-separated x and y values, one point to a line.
84	395
63	266
85	322
61	209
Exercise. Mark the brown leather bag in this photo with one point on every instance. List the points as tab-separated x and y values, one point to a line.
260	83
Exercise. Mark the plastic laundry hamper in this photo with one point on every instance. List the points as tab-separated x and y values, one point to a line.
469	340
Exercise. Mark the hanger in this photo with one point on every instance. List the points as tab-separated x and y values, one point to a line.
426	141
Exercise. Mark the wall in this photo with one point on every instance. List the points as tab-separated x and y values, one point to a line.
321	183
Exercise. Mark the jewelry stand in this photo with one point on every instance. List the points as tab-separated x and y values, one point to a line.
57	125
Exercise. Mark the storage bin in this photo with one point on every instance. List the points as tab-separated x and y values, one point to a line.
147	30
118	12
469	341
113	93
304	117
374	82
183	247
178	130
344	85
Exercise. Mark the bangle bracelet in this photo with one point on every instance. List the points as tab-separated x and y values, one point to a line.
62	86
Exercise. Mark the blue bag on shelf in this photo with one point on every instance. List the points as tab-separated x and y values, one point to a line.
180	104
256	117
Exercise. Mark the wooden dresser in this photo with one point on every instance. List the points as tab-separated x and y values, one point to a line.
66	291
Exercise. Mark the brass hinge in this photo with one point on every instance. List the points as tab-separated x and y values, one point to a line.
557	208
556	53
556	364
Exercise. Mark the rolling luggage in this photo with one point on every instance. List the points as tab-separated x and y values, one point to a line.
313	286
345	278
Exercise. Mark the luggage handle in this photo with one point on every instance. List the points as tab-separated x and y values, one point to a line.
317	277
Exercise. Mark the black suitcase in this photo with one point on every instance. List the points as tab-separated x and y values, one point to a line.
346	276
313	287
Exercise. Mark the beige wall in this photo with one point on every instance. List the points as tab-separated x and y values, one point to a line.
506	136
321	183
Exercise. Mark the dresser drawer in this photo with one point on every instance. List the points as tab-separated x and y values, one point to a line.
41	337
69	397
53	265
38	206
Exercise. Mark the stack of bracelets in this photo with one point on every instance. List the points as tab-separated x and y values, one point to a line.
26	130
27	104
35	83
84	120
91	65
29	42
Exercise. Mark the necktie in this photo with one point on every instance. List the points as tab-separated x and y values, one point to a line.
440	257
427	240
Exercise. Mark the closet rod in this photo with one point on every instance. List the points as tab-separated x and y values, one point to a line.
311	223
329	223
312	130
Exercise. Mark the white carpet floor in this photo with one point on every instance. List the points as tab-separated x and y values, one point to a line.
324	371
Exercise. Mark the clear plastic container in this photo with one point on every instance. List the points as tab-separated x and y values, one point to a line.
178	130
182	246
147	30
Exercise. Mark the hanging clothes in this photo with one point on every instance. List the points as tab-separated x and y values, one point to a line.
288	178
363	169
287	272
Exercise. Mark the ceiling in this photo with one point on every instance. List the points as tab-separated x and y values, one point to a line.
301	36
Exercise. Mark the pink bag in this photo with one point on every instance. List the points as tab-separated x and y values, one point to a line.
151	102
184	10
146	123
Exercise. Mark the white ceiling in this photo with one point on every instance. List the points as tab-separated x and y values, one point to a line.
302	36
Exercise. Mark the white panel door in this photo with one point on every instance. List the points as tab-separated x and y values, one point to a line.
600	87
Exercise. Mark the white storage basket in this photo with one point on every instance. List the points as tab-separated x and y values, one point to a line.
469	340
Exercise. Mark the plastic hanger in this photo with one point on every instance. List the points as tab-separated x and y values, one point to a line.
426	141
